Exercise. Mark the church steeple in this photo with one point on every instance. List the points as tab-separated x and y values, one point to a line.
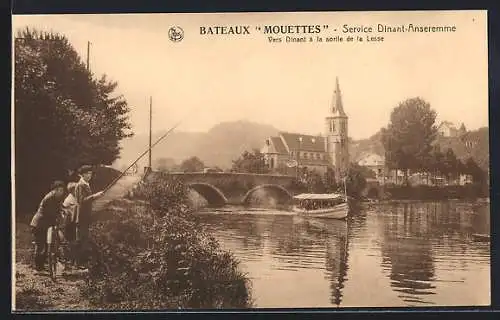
336	142
337	107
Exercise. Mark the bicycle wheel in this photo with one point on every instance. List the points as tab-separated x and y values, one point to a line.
33	257
52	262
52	252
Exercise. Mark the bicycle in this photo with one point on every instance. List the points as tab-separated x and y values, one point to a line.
57	249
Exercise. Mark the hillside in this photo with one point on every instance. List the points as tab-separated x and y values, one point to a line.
218	147
372	145
226	141
473	144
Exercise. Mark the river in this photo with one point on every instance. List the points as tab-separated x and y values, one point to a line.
405	254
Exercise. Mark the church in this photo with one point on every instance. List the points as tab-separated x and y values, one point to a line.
288	152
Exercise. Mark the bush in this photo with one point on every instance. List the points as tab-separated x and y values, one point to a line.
151	253
102	177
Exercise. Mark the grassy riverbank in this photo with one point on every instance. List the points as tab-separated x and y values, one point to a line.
148	252
37	292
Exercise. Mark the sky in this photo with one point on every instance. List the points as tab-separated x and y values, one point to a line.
207	79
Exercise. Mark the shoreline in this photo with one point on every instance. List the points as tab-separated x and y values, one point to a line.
37	292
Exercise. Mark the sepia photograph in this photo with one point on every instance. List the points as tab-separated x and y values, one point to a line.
250	161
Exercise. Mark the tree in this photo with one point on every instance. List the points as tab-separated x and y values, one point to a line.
408	138
461	168
329	180
314	182
251	163
64	117
472	168
165	164
367	172
355	181
435	162
450	164
193	164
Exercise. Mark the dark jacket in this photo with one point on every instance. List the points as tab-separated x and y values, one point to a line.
48	211
83	203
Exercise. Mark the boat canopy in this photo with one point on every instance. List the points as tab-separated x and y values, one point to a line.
319	196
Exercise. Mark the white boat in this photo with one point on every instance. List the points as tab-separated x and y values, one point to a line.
327	205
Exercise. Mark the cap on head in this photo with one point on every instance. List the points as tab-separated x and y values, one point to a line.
57	184
84	169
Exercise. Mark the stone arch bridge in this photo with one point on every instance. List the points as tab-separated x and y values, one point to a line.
238	188
234	188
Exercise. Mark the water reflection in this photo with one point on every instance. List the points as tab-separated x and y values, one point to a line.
413	234
290	243
336	265
405	254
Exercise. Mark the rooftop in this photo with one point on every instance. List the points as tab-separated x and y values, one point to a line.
308	143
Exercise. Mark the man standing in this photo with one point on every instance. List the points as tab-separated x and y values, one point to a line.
45	217
84	199
69	212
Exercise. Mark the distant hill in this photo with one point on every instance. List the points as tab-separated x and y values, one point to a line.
371	145
226	141
218	147
178	145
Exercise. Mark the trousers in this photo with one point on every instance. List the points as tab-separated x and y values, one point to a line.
81	243
40	239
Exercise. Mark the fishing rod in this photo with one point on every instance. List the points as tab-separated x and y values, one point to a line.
143	154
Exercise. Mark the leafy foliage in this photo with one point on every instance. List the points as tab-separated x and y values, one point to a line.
450	164
367	172
408	138
102	177
473	144
329	180
151	253
166	164
411	144
63	116
251	163
478	174
313	182
193	164
355	181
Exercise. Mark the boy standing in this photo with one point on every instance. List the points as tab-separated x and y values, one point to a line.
83	210
69	213
45	217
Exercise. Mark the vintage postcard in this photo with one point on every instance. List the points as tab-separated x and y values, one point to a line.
250	160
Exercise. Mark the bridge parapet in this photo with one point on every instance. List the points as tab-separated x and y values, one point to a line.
236	188
232	187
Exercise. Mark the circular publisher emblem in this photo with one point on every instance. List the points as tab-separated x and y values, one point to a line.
176	34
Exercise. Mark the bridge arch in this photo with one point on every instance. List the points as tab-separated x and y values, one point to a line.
212	194
281	189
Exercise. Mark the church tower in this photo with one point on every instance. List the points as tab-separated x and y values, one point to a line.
336	141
